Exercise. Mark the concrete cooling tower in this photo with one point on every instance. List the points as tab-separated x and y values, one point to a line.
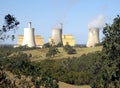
56	35
93	37
28	38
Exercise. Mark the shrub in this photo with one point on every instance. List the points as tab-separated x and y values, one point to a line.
47	45
59	45
69	49
52	51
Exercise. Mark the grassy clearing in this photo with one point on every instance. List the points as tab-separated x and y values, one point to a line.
40	54
65	85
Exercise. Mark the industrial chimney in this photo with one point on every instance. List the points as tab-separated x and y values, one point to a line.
93	37
28	38
57	35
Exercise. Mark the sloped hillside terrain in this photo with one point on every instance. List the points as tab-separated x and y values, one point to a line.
40	54
27	68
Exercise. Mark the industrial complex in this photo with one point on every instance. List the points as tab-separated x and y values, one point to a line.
31	40
39	41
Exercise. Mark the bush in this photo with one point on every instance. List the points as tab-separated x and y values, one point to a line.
69	49
59	45
47	45
98	44
107	76
52	51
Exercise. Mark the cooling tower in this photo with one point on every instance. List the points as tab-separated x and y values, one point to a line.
28	38
56	35
93	37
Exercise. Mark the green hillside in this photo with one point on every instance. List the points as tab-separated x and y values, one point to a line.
40	54
72	71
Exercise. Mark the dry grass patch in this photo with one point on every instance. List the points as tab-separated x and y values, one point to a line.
40	54
65	85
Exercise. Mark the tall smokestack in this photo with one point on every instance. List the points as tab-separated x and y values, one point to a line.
28	38
93	37
30	25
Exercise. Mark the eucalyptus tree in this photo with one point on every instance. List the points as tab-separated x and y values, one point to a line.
10	24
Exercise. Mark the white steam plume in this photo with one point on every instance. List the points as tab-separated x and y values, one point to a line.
73	1
97	22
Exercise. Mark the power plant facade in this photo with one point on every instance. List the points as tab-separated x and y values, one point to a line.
31	40
28	38
39	41
66	39
93	37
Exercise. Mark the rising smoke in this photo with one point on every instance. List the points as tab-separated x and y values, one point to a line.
97	22
73	2
65	12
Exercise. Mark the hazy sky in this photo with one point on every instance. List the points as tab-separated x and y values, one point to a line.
74	14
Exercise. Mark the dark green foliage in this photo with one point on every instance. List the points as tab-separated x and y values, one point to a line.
10	21
25	47
66	47
109	74
4	81
80	45
45	81
5	50
111	42
10	24
59	45
19	64
52	51
69	49
47	45
74	70
77	71
98	44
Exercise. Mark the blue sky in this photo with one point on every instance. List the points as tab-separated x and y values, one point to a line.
45	14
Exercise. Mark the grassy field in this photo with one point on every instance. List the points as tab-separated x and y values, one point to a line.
65	85
40	54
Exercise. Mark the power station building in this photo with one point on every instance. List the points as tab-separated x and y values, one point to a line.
66	39
58	38
29	39
39	41
93	37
